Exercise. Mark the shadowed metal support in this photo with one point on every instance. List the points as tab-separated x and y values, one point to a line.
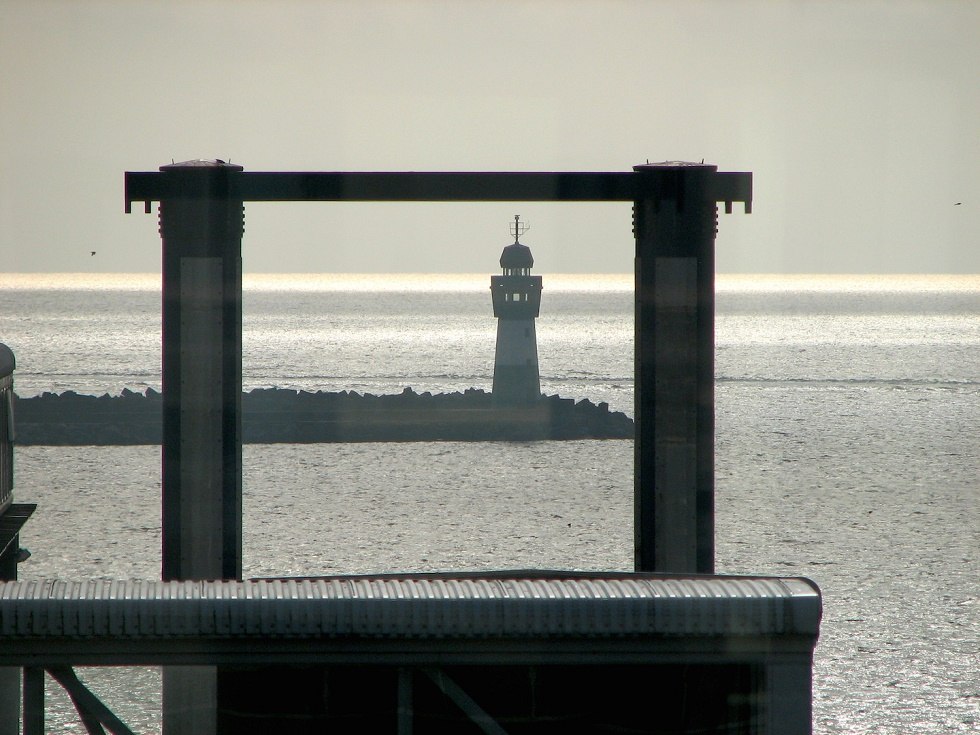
675	210
405	715
674	224
13	516
201	224
201	218
412	186
626	650
465	702
92	712
90	708
33	700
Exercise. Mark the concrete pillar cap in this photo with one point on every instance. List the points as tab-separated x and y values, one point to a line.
202	163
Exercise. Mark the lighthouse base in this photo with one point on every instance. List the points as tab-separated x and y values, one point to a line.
515	385
515	370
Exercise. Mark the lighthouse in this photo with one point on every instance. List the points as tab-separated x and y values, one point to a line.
516	302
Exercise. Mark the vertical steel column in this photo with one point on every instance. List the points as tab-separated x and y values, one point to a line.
10	693
406	716
201	223
33	700
788	708
674	223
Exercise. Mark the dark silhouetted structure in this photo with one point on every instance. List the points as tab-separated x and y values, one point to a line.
674	223
516	652
693	653
201	224
13	516
281	415
7	365
674	206
516	303
201	227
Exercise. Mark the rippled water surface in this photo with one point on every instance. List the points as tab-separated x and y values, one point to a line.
846	452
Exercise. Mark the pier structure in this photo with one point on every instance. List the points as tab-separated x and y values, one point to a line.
13	516
674	225
675	207
494	652
201	225
516	303
668	646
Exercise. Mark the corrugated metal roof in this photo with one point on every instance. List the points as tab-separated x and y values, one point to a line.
414	606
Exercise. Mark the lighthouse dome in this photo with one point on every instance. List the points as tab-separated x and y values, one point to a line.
516	255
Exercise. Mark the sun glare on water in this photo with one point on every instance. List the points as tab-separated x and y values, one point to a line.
456	282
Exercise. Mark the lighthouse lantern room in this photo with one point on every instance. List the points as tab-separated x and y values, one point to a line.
516	302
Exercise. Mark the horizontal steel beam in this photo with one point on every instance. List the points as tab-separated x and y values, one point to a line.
411	186
324	649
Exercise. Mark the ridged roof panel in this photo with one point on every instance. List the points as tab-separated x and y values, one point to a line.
413	607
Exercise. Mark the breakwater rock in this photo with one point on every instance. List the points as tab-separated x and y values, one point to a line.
276	415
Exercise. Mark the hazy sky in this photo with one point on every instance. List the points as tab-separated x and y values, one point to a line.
860	121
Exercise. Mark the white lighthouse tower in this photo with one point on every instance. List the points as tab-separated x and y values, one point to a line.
516	302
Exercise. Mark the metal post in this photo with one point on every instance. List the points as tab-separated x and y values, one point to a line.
405	715
9	700
788	708
11	521
201	226
10	693
201	223
674	223
33	701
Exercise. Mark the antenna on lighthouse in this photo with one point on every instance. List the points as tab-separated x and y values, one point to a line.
518	228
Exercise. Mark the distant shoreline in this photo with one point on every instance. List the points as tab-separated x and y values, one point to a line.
276	415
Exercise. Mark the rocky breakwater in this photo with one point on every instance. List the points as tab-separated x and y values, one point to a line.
276	415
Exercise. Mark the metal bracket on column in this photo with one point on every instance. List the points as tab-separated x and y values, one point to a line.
93	713
674	222
465	702
405	707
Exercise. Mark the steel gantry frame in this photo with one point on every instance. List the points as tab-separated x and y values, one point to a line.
674	224
675	219
201	225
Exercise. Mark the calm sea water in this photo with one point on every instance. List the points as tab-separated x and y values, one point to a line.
847	451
